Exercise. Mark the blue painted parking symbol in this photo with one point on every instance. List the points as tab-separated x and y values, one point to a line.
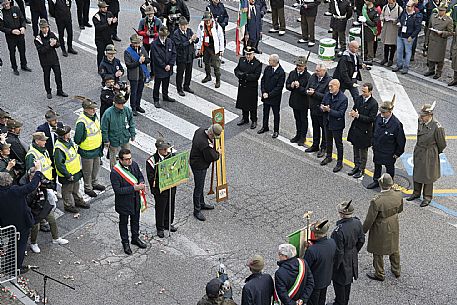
446	167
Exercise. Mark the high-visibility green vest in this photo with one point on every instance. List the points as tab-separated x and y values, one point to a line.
44	159
93	133
72	158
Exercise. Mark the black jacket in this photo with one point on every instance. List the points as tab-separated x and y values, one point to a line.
113	7
47	53
126	200
12	20
388	140
320	89
298	98
219	13
349	239
172	12
163	55
320	256
103	30
107	67
248	74
13	205
159	5
258	290
277	3
335	118
153	174
60	10
202	152
361	130
185	50
38	5
345	69
272	83
49	143
18	150
345	7
285	278
311	8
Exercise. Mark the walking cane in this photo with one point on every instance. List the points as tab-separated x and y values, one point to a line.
211	190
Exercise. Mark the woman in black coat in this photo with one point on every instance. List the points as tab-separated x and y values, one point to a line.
248	72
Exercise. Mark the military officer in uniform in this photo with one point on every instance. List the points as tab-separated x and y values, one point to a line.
46	44
68	166
384	228
248	72
360	134
440	28
104	23
164	200
388	142
349	239
88	136
430	143
114	8
320	257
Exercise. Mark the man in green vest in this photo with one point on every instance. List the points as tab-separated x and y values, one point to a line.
38	152
68	167
88	136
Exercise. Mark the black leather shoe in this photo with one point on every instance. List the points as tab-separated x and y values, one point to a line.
169	99
275	135
326	161
138	242
396	69
181	93
321	153
64	53
424	203
207	207
160	234
116	38
294	139
62	94
16	72
359	174
383	62
374	277
413	197
49	96
157	104
82	27
436	76
262	130
127	249
390	63
99	187
311	149
353	171
173	228
25	68
91	193
338	167
301	142
242	122
373	185
189	90
88	25
72	51
253	125
140	110
134	112
71	209
429	73
200	216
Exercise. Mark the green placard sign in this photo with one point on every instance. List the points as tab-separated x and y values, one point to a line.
173	171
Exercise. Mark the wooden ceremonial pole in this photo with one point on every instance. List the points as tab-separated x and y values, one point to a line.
218	116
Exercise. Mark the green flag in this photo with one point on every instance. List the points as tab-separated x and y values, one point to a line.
173	171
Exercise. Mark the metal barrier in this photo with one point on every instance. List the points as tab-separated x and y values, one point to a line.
8	254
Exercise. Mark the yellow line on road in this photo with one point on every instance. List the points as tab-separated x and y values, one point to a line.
407	138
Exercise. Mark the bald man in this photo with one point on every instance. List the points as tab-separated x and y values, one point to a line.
333	106
348	69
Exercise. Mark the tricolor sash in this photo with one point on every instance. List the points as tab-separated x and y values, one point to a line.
296	286
132	180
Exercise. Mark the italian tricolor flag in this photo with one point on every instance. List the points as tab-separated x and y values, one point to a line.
132	180
241	22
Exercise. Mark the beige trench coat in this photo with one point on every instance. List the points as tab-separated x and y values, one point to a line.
382	223
437	42
389	18
430	143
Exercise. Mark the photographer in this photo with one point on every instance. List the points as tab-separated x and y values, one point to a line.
7	164
17	149
215	294
173	10
15	211
110	90
39	202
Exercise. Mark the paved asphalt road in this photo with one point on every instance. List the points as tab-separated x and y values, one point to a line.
271	184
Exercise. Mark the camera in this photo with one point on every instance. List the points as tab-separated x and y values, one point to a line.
122	85
47	184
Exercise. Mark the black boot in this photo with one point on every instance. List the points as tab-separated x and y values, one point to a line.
127	249
207	78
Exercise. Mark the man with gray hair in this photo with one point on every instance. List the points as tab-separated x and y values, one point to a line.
294	282
271	86
349	239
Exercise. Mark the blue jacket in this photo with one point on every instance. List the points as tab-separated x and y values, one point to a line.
254	25
219	13
388	140
285	278
272	83
258	290
334	119
413	25
320	256
110	68
162	55
185	51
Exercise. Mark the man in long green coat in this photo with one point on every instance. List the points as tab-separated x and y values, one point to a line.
382	223
431	141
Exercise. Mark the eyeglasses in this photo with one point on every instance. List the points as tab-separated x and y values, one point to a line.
127	159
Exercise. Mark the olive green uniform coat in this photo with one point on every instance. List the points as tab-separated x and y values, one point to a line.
437	42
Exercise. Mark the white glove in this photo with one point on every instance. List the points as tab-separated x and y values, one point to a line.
362	19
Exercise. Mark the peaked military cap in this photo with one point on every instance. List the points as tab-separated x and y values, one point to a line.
320	228
161	144
346	207
110	49
61	131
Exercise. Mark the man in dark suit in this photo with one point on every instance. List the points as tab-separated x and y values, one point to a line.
348	69
37	10
49	128
389	142
128	186
360	134
253	32
271	86
298	100
334	107
316	89
184	40
163	53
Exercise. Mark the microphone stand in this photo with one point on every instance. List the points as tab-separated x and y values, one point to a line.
45	280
